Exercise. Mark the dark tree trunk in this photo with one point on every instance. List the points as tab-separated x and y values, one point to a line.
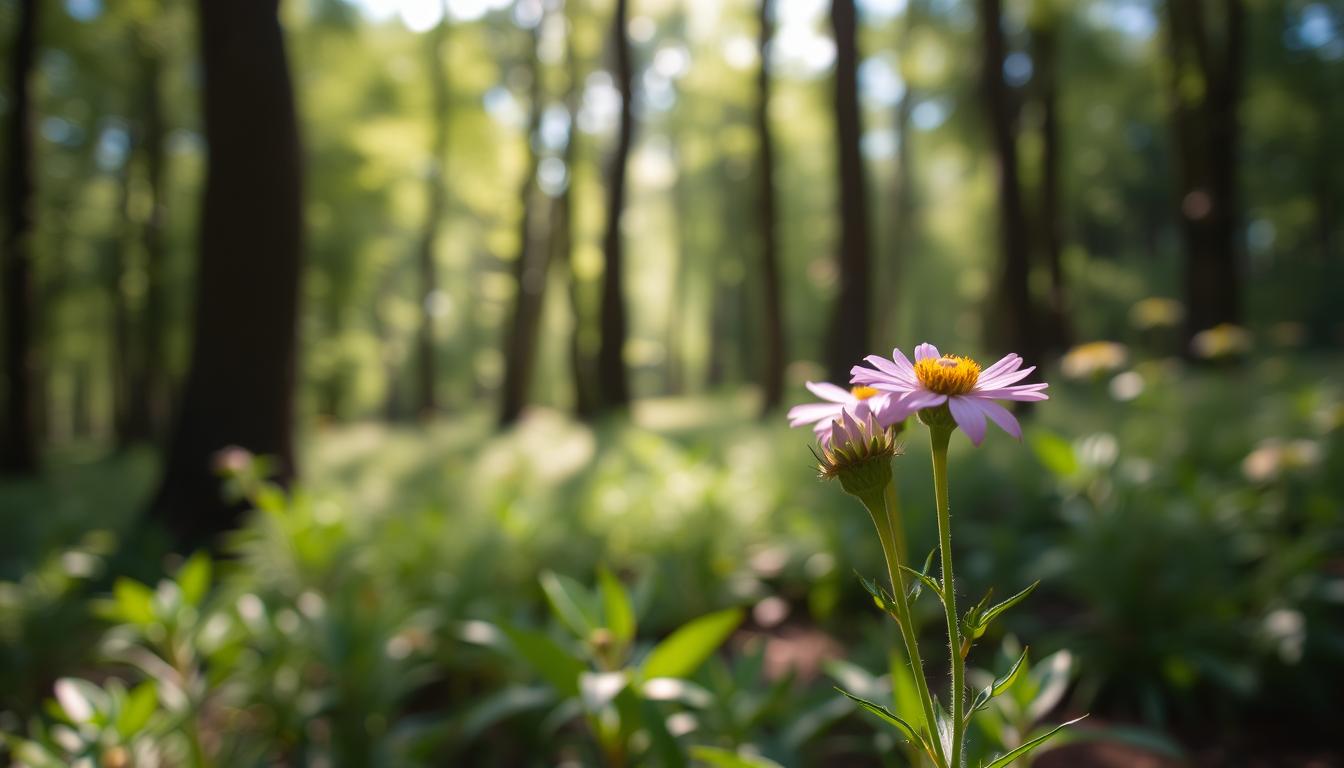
119	358
772	366
904	202
149	389
1010	325
18	441
562	243
1045	48
427	400
529	270
240	385
1207	133
613	379
849	332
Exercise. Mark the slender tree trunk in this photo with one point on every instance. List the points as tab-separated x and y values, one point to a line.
1011	326
529	270
772	367
427	400
562	242
240	386
904	203
18	441
613	379
1045	48
849	333
149	391
119	359
1207	132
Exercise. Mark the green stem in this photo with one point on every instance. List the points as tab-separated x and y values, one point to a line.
938	439
891	533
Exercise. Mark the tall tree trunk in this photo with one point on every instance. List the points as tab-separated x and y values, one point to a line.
240	386
613	379
562	241
529	269
1207	132
1044	38
18	441
149	391
849	332
903	202
427	401
1011	324
119	358
772	366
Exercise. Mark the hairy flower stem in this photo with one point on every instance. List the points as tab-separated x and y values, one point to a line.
885	510
939	435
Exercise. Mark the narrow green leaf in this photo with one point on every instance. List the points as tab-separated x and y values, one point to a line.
617	611
682	652
993	613
927	581
918	587
193	578
881	598
555	665
1008	757
571	602
722	758
1001	684
907	730
502	705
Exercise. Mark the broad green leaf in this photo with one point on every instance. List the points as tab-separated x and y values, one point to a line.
722	758
502	705
682	652
617	611
551	661
136	709
571	602
1008	757
907	730
1055	453
193	578
133	601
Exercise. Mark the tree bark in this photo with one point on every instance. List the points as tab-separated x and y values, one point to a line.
240	385
1045	47
1207	136
562	243
18	442
529	269
1011	324
772	366
849	332
904	197
427	400
149	389
613	379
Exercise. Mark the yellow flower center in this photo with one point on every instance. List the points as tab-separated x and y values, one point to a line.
862	393
948	375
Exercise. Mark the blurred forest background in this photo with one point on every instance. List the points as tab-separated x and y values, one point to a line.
518	286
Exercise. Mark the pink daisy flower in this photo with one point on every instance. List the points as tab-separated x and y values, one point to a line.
970	393
860	402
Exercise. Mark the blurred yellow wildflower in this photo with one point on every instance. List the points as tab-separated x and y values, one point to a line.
1093	358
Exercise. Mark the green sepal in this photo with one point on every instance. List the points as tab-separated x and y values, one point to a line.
1008	757
1001	684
